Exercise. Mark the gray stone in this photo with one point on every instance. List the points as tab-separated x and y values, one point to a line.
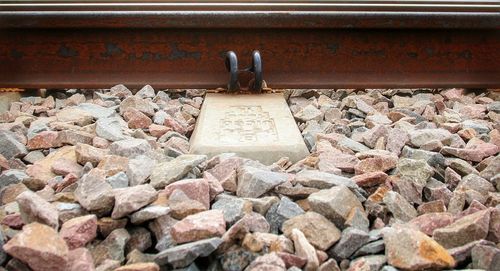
335	204
309	112
130	147
94	193
166	173
221	128
494	106
33	156
418	171
461	167
183	255
475	182
420	137
140	239
112	248
109	128
146	92
375	247
351	240
234	208
486	257
479	126
3	254
139	169
119	180
254	182
148	213
12	176
97	111
11	147
322	180
35	209
282	211
131	199
399	207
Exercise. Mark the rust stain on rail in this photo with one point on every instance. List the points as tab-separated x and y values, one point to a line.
188	58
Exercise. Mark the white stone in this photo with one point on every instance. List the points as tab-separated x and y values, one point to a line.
259	127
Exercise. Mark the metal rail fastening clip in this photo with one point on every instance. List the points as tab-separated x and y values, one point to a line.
255	84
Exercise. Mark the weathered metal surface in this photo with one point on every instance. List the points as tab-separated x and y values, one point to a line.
183	45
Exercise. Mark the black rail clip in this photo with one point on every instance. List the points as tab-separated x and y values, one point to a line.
254	84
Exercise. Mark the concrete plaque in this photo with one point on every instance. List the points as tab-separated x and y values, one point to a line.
258	127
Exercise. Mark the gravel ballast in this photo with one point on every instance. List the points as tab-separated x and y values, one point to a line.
396	179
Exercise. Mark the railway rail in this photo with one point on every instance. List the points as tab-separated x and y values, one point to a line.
319	44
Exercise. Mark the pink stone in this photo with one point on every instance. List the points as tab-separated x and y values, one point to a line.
14	221
199	226
100	142
475	153
80	259
292	259
370	179
343	161
453	94
195	189
40	247
158	130
44	140
77	232
427	223
225	172
64	166
214	185
375	164
136	119
174	125
67	181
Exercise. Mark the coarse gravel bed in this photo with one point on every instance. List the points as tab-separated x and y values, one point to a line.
403	179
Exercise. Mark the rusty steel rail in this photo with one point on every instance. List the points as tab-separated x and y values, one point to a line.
315	44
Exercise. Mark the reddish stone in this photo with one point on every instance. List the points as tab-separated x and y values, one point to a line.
476	153
436	206
14	221
370	179
495	137
4	163
467	133
139	267
136	119
292	259
174	125
40	247
195	189
427	223
225	172
453	94
65	166
199	226
77	232
44	140
375	164
67	181
343	161
80	259
158	130
215	187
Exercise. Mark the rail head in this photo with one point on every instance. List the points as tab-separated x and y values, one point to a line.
444	14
